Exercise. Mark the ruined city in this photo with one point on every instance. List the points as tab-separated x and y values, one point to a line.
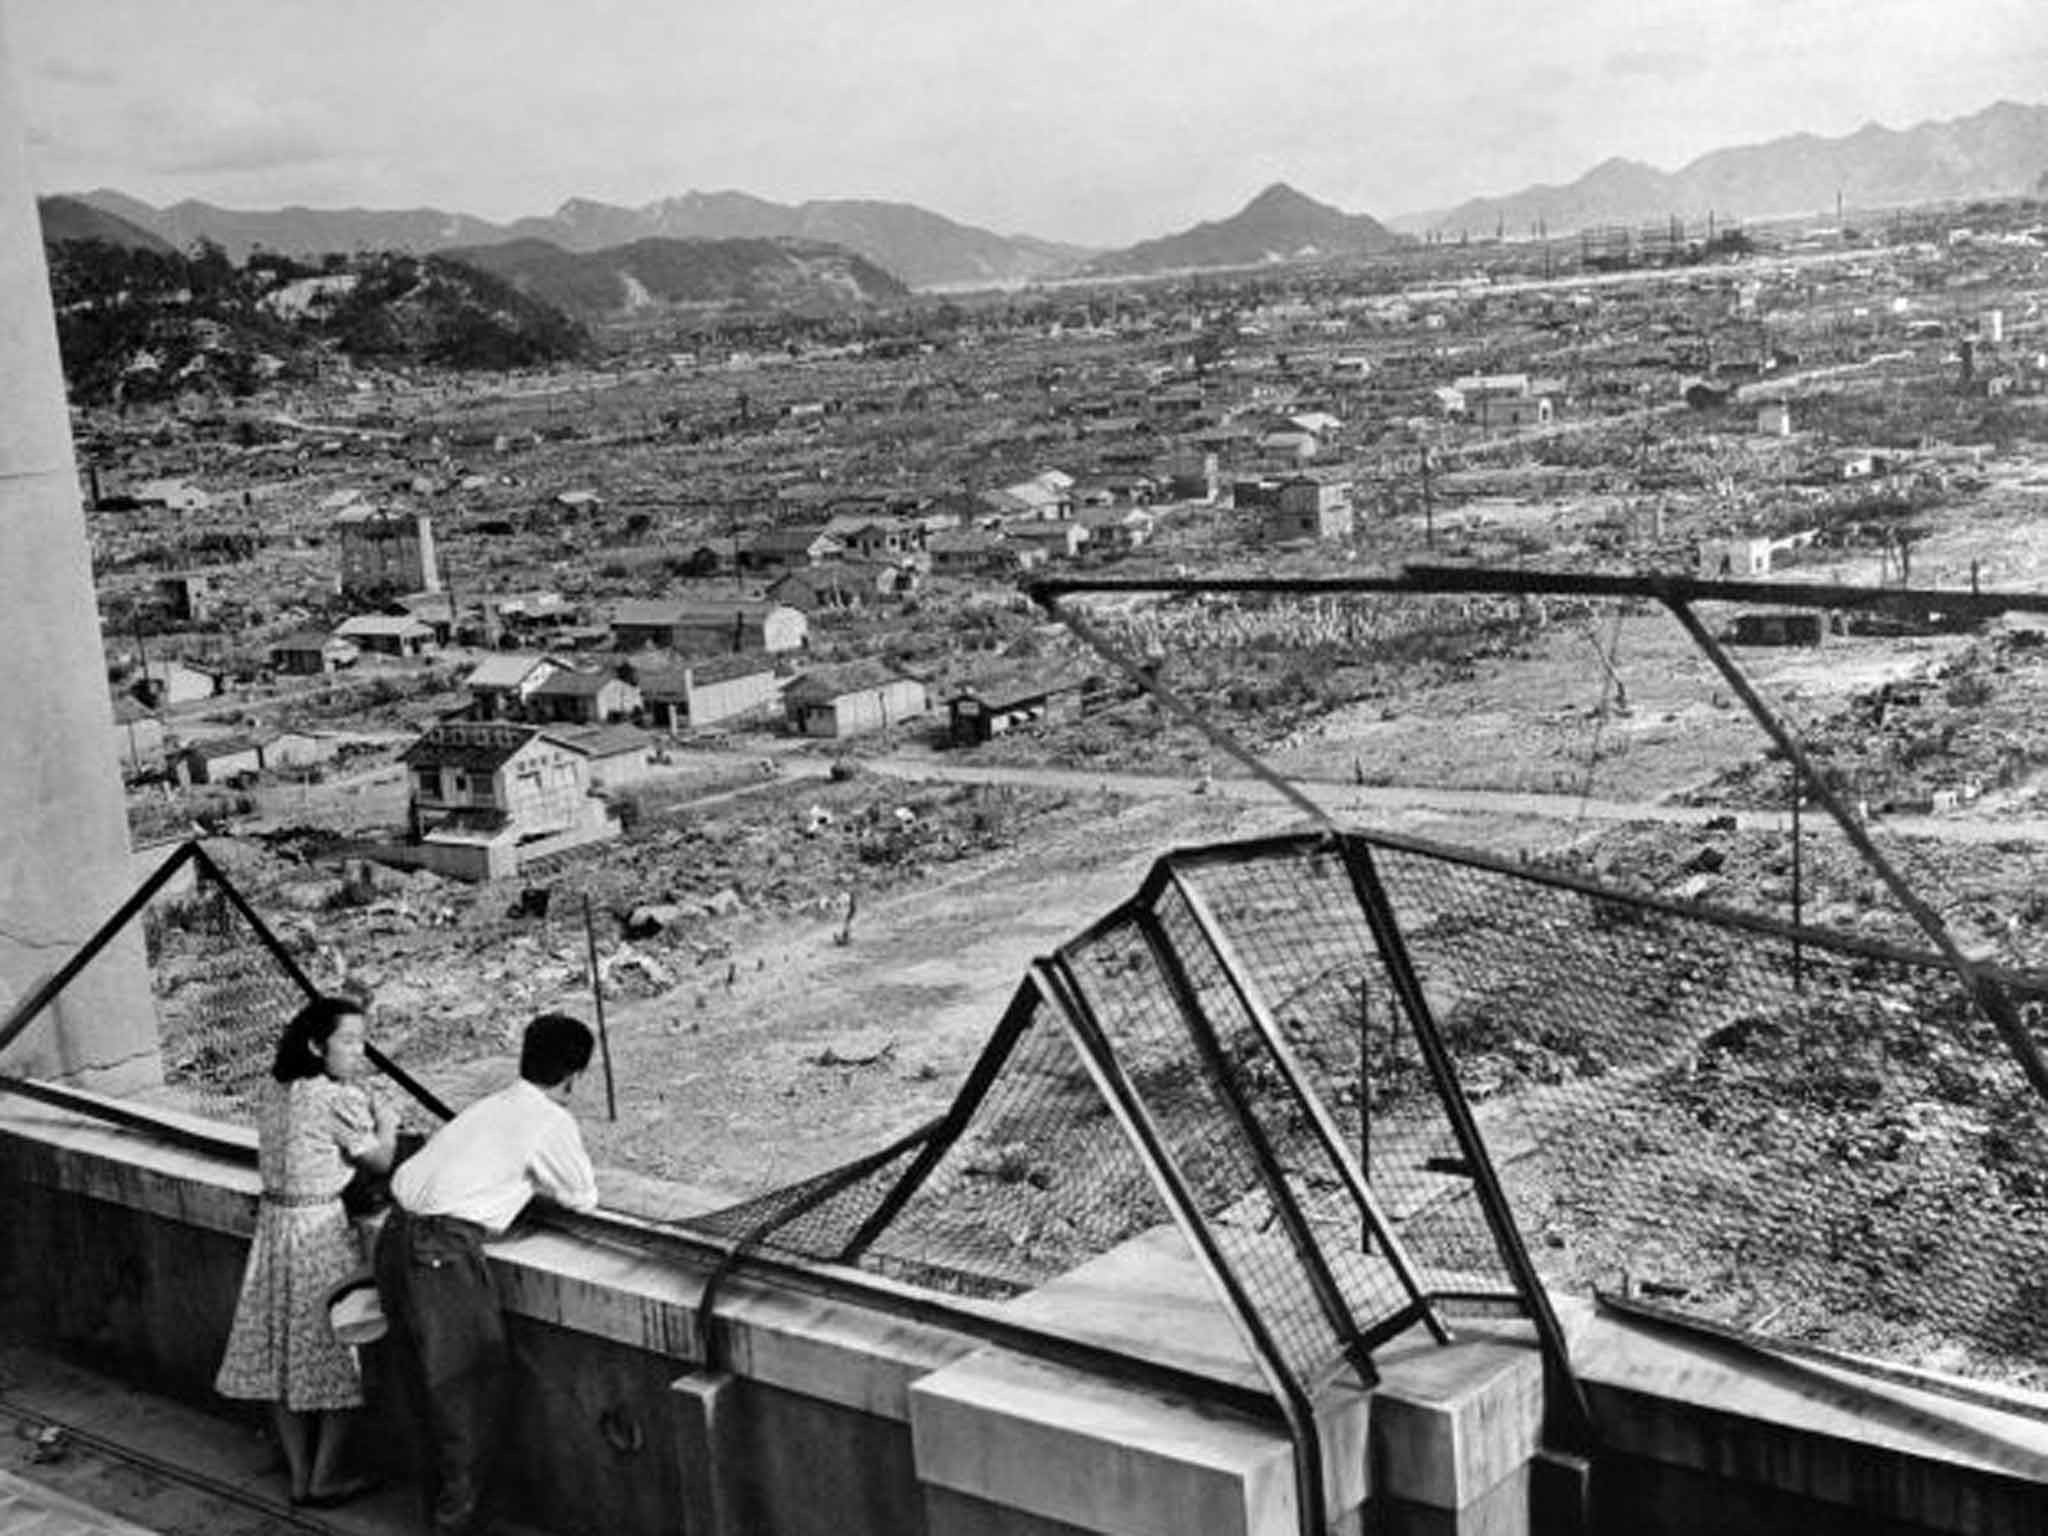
1311	874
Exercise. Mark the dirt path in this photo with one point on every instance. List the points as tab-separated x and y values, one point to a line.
798	1052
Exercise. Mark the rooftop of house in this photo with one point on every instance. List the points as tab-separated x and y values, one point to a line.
569	683
836	682
471	745
596	741
396	626
507	670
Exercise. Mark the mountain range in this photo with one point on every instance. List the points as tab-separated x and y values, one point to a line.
644	275
1280	224
923	249
2001	151
71	218
1998	152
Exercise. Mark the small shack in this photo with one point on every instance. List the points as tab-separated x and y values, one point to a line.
852	700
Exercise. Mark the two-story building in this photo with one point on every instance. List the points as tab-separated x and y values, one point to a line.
487	797
1309	507
383	552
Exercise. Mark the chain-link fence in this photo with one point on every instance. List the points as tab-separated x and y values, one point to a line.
221	984
1786	1132
1798	1135
221	987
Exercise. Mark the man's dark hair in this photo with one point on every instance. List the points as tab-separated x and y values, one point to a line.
555	1046
300	1048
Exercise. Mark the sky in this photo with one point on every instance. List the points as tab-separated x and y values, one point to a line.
1100	122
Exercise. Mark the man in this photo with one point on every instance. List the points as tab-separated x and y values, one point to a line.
465	1187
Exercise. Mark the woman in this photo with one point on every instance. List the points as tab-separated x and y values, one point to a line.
318	1123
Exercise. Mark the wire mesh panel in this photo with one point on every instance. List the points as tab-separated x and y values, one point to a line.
1299	934
221	994
223	998
1804	1140
1374	1291
1134	1002
1040	1180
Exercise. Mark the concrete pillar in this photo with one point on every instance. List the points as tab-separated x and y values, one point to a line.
64	865
707	1408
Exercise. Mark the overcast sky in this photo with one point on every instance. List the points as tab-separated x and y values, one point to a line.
1097	121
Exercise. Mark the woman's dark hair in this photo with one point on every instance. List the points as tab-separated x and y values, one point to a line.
555	1046
299	1048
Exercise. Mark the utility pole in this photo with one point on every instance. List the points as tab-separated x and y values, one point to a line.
1428	502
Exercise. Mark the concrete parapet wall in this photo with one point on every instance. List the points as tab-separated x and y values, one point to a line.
830	1418
127	1254
1706	1437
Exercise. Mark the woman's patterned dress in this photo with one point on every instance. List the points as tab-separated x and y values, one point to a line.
280	1348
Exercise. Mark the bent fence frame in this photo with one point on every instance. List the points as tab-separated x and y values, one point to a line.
1678	594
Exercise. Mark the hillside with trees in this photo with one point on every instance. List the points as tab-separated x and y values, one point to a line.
137	324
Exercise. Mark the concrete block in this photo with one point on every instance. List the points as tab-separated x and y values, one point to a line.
947	1513
1561	1493
1503	1510
1116	1460
709	1446
1450	1422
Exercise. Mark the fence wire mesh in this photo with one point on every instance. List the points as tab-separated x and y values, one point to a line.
1787	1133
221	996
1300	941
1040	1180
1790	1135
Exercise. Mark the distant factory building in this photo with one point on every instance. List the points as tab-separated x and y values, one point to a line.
384	552
1309	507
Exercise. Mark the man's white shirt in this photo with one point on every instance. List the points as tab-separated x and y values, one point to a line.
486	1163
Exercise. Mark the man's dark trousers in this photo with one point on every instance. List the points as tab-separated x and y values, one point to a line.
448	1335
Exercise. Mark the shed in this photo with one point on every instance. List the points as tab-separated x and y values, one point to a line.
852	700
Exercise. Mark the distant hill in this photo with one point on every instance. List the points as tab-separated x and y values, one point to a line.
137	324
921	248
1999	152
648	274
66	218
1280	224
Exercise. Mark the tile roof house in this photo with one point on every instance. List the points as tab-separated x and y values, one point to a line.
778	548
850	700
499	686
311	652
709	626
581	698
1116	530
618	755
682	695
845	584
993	707
387	634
